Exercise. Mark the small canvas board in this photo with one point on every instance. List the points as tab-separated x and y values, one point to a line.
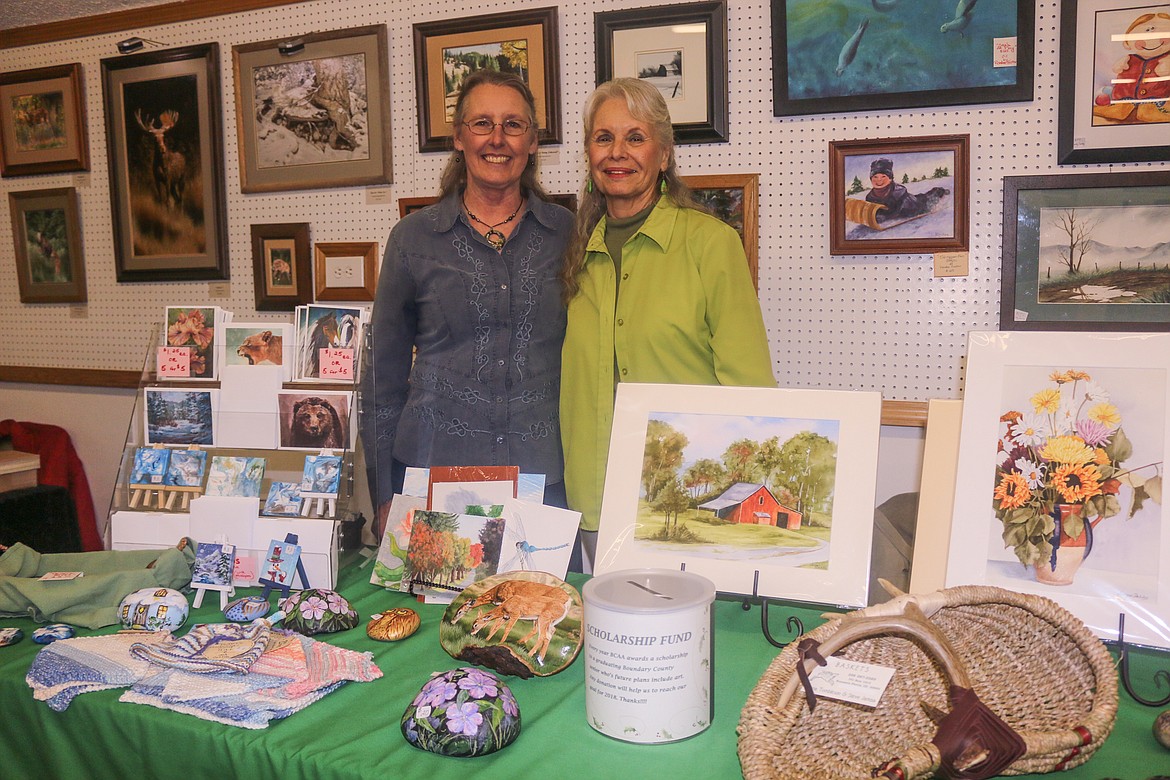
448	550
235	476
280	564
284	500
772	508
321	476
182	417
186	468
213	564
537	537
389	565
315	420
150	466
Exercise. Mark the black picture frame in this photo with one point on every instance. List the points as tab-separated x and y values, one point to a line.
804	33
704	118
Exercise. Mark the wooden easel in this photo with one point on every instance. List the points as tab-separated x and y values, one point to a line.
225	591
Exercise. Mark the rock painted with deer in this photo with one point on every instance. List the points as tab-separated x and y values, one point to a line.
168	166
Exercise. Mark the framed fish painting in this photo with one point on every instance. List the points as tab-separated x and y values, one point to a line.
862	55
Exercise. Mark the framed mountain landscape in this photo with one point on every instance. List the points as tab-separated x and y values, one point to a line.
1086	252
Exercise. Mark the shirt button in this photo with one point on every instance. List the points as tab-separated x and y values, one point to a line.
499	399
621	322
624	372
500	362
499	440
503	287
625	276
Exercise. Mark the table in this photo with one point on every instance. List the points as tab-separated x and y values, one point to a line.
355	733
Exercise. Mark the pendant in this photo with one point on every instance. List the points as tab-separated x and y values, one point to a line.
495	238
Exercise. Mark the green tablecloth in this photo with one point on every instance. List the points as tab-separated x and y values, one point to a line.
354	732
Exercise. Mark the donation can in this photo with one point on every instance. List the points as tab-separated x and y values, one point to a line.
648	654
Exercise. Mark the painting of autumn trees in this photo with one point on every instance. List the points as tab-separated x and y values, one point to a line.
452	550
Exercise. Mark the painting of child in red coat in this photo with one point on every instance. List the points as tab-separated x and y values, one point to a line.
1132	70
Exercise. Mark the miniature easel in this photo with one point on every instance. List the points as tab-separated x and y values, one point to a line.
225	591
319	504
285	587
143	492
171	492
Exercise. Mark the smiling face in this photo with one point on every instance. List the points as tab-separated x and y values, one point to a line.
495	161
879	181
625	160
1156	36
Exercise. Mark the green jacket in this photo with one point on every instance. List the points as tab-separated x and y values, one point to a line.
687	314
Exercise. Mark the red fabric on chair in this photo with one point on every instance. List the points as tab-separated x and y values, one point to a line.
60	465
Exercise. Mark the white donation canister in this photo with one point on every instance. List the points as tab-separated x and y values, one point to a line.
648	635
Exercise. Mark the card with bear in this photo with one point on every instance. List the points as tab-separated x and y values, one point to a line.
315	420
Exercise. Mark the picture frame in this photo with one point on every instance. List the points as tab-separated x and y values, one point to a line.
1098	218
486	36
924	207
1100	121
735	199
837	64
46	234
821	555
290	137
42	121
346	270
663	44
165	146
1110	394
281	269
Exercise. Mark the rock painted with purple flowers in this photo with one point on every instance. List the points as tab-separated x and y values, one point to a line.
462	712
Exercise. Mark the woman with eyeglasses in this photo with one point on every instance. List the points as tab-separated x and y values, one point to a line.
658	290
469	286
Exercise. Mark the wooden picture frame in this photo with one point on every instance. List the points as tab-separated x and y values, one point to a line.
275	246
537	27
42	121
735	199
1101	121
289	136
165	142
837	63
1054	226
46	232
682	50
345	270
924	208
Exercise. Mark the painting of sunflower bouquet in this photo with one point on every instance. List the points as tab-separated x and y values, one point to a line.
1059	470
194	328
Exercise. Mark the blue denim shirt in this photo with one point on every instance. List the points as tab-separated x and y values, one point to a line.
488	326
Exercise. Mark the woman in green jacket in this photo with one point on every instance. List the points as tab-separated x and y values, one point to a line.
658	290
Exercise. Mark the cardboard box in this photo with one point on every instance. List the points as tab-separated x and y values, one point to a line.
18	469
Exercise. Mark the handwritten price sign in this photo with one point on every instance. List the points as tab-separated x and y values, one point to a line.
337	363
174	361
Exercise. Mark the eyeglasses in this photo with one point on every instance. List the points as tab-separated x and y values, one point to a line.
487	126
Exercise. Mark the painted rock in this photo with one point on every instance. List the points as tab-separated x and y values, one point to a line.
393	624
10	636
462	712
154	609
1162	729
246	609
522	623
51	633
318	611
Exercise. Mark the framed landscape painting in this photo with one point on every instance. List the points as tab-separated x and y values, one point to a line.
42	121
46	229
1086	252
520	42
316	118
1062	456
164	136
681	50
1115	82
735	199
762	490
865	55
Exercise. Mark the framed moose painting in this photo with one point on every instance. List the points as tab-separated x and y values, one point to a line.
166	164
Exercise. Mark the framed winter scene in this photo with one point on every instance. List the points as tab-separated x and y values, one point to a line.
213	564
317	116
740	485
1061	458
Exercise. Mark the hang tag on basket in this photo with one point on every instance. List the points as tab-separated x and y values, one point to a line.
851	681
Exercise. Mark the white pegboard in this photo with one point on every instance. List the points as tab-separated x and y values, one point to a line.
859	322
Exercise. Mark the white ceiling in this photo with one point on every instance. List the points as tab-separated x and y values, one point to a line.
24	13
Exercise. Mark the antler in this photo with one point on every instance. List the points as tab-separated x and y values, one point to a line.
146	124
168	120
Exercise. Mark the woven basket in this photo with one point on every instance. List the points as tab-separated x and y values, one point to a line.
1031	662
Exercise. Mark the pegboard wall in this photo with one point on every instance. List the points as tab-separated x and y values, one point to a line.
880	322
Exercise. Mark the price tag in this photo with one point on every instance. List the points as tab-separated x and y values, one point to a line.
1003	52
337	363
174	361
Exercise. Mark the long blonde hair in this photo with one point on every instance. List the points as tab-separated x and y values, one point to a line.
454	177
645	104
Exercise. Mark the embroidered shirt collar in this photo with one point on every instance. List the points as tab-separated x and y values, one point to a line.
450	210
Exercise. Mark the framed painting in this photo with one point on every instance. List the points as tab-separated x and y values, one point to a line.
520	42
42	121
165	143
1115	82
46	230
316	117
899	195
346	271
1063	448
882	54
280	264
1086	252
681	50
740	485
735	199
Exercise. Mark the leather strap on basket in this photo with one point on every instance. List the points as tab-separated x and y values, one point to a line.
805	650
975	743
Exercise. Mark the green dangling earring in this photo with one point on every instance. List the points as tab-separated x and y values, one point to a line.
662	185
589	184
